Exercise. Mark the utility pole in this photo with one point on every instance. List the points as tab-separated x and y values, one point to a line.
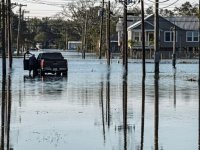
19	28
199	41
108	33
25	44
9	33
0	15
156	39
143	41
125	60
85	35
174	48
66	40
101	29
3	38
0	20
82	40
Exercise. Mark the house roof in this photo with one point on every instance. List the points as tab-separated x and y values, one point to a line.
135	25
137	22
185	22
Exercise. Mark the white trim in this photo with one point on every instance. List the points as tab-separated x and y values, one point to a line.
139	30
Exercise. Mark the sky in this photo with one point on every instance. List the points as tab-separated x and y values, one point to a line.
48	8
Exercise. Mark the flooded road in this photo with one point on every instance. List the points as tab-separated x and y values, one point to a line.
96	108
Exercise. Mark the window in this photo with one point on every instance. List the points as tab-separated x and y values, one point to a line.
192	36
151	37
169	36
196	36
189	36
137	36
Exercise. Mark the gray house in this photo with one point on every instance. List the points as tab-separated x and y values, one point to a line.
187	34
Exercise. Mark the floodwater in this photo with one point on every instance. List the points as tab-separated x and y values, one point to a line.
96	108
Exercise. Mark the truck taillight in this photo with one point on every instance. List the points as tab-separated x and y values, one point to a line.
42	63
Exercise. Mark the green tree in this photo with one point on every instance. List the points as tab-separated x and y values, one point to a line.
186	9
41	37
149	10
48	31
162	12
24	32
166	12
77	12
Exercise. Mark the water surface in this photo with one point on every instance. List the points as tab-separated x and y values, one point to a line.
96	108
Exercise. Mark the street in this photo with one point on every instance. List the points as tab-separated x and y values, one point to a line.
95	108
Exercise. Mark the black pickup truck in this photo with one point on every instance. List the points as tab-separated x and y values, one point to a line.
52	62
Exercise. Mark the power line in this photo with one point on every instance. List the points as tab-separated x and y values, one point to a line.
160	2
170	4
167	5
55	3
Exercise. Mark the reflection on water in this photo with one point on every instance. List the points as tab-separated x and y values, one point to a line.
98	107
5	113
8	106
156	114
48	85
174	88
124	84
199	118
102	110
108	114
143	113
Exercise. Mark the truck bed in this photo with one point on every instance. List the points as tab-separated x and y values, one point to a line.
52	63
